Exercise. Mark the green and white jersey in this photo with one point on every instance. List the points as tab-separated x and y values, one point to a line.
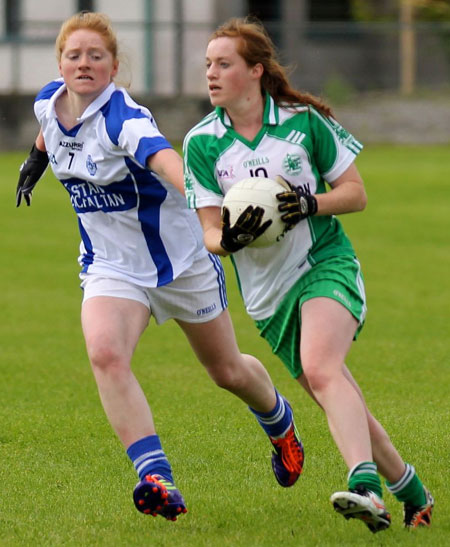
301	145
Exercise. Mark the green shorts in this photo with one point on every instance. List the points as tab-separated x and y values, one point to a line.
339	278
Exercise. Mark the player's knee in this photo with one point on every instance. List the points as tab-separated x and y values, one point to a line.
106	358
227	377
318	379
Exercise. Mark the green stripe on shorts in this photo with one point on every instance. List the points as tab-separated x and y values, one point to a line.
338	278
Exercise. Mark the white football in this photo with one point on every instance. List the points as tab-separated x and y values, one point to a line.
258	192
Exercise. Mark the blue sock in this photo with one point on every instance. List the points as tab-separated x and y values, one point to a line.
277	422
148	458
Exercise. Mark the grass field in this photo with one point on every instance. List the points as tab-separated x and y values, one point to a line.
64	478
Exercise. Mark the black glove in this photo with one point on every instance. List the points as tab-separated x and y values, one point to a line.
246	228
296	203
31	171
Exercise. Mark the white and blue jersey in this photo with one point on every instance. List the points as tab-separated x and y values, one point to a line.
133	224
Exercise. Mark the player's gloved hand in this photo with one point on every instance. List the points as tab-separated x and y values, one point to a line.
31	171
245	230
296	204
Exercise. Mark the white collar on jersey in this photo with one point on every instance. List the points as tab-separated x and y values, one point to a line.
270	115
96	104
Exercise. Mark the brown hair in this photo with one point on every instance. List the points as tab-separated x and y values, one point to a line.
98	22
255	46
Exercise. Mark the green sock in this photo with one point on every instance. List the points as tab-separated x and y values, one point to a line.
365	474
409	488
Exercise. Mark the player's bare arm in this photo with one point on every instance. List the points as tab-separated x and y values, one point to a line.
347	194
168	164
40	143
211	221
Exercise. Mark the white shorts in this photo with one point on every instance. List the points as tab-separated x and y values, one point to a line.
196	296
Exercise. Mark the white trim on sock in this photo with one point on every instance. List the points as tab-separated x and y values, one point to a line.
362	467
403	481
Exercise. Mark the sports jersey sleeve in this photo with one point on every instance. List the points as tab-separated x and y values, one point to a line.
335	149
39	110
201	186
41	100
132	128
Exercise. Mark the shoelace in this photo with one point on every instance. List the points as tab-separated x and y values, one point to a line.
291	454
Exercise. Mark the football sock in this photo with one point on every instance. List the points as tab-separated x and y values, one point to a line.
365	474
409	488
148	458
277	422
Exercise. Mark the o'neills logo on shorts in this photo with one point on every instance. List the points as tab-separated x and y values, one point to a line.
205	311
342	297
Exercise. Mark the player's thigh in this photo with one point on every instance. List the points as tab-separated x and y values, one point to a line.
327	332
214	342
111	322
112	325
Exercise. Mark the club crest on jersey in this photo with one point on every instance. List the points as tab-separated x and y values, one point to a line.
292	164
342	134
91	165
189	185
